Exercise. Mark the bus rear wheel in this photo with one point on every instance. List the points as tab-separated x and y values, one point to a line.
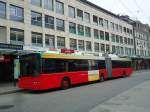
65	83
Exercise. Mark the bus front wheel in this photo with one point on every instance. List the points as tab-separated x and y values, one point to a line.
65	83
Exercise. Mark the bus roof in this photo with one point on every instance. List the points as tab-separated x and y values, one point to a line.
120	59
65	56
71	56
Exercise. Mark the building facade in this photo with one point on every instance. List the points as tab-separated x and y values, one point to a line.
71	24
56	24
141	43
142	39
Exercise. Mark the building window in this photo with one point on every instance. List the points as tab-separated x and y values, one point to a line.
126	50
106	24
130	51
122	50
60	25
117	38
16	36
96	34
36	18
131	32
2	10
120	28
107	48
107	36
112	26
125	40
81	30
96	47
113	49
117	49
50	41
49	4
73	44
49	22
16	13
125	29
88	46
102	47
87	31
121	39
116	27
131	41
59	7
113	38
102	35
60	42
81	45
101	22
128	31
80	14
71	12
95	20
36	2
133	51
72	27
87	17
37	39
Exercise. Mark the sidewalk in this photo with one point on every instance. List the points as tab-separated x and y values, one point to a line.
136	99
8	88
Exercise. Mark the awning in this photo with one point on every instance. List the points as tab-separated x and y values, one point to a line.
10	49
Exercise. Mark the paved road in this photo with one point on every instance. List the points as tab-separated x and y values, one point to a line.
78	99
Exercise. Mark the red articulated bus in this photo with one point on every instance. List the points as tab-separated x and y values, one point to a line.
42	71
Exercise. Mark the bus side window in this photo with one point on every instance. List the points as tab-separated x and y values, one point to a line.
72	65
101	64
53	66
93	65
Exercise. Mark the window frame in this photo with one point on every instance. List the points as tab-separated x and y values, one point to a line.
17	36
16	16
59	8
35	21
48	22
3	12
37	36
58	26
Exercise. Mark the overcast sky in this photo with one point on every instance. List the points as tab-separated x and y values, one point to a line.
136	9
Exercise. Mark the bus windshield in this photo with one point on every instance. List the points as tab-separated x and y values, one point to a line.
30	65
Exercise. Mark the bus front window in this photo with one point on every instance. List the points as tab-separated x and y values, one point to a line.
30	65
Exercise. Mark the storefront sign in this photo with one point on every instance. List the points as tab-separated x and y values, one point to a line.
34	48
11	46
67	51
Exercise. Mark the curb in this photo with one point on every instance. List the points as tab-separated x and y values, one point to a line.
10	92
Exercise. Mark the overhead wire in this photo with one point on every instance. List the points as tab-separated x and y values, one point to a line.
130	11
141	11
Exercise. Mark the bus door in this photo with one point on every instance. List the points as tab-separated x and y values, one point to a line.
108	66
16	69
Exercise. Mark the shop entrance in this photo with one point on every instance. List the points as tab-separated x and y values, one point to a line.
6	69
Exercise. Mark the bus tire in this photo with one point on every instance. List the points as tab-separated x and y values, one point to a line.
65	83
102	79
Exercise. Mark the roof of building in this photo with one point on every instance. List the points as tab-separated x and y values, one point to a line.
102	9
